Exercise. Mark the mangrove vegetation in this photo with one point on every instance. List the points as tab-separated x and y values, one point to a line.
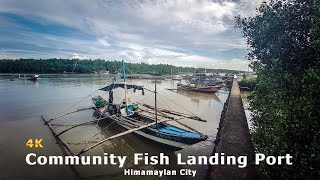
90	66
284	43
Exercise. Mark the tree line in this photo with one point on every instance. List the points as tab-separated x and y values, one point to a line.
89	66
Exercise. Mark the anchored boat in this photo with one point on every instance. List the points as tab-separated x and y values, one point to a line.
199	88
130	115
149	122
33	78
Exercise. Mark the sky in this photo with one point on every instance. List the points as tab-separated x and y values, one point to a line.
195	33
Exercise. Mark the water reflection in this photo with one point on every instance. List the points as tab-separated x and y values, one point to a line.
198	96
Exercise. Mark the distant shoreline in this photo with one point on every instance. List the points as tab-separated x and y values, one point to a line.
76	66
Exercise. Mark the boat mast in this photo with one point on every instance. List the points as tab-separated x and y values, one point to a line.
155	101
74	66
125	83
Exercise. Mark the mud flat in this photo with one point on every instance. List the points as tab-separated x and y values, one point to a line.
233	138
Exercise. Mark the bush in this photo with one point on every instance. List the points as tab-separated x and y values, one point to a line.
284	40
248	82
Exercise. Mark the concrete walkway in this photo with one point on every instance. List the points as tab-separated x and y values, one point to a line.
234	139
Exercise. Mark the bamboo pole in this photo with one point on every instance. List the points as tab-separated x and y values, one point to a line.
164	115
77	126
120	134
58	137
159	113
152	107
59	116
121	120
176	113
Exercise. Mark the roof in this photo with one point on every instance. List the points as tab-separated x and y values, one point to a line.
114	86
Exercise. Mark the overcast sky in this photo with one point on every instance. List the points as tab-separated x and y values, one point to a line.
179	32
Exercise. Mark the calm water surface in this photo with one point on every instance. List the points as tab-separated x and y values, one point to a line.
23	102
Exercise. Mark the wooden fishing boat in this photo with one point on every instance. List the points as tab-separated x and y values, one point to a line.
198	88
130	116
169	136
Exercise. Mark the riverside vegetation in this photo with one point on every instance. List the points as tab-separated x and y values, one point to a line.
284	43
88	66
249	82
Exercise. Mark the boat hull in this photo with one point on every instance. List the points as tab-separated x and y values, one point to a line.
33	78
208	89
169	141
156	138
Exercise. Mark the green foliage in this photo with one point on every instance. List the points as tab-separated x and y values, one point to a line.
89	66
284	38
249	82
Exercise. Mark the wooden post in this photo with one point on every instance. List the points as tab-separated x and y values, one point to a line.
155	101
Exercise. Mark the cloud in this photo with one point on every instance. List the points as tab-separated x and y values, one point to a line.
104	42
2	57
77	56
180	32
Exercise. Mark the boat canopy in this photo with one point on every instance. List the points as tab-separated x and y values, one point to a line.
114	86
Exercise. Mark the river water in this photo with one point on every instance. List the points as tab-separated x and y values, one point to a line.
23	102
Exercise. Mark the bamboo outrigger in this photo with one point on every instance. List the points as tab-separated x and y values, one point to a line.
146	121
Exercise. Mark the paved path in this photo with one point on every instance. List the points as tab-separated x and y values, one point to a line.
234	139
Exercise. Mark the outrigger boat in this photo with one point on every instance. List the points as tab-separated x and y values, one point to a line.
144	120
129	116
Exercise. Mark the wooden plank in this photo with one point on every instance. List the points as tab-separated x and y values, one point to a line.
58	137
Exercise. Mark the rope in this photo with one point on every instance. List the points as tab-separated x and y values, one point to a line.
97	122
128	69
181	118
165	96
134	95
80	101
105	128
76	103
179	121
146	97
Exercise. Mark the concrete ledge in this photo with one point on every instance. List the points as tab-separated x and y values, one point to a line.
234	139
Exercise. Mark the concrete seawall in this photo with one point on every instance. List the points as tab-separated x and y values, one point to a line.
233	138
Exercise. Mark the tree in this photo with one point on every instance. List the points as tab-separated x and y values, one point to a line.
88	66
284	43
